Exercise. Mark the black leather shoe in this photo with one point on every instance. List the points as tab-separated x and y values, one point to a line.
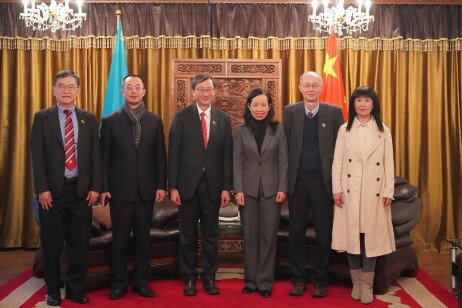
78	298
248	290
190	288
54	300
265	293
143	291
117	293
210	287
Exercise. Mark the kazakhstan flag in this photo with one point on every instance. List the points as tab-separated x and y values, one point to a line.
114	99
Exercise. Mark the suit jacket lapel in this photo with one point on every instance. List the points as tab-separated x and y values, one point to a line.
323	121
196	125
299	121
82	124
214	122
376	140
251	139
144	130
266	140
352	138
53	117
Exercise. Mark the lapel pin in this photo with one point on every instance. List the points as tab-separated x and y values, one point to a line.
213	122
323	124
83	121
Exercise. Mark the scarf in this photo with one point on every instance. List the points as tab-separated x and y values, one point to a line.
135	116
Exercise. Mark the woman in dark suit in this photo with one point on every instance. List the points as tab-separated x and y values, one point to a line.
260	160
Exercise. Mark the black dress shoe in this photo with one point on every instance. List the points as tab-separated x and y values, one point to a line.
265	293
143	291
78	298
190	288
54	300
248	290
117	293
210	287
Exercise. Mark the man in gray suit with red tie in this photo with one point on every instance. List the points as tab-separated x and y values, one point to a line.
311	128
200	178
67	173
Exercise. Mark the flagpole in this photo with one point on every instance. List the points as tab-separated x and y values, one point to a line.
118	13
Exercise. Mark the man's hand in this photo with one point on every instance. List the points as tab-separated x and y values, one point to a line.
160	195
45	200
104	196
175	196
91	197
239	198
280	197
386	201
338	200
225	198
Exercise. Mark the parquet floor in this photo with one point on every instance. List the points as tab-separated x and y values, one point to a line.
13	262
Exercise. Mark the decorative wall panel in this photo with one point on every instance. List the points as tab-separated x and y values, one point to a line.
235	80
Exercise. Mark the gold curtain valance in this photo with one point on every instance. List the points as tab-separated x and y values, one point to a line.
251	43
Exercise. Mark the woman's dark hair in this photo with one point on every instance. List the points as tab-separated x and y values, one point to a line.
367	92
249	119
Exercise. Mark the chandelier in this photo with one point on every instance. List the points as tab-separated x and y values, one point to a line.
340	19
55	16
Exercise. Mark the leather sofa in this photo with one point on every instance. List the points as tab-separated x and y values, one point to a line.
164	244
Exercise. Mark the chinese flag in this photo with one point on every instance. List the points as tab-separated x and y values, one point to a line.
333	91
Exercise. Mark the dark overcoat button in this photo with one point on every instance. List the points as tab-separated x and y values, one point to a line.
377	195
378	179
378	164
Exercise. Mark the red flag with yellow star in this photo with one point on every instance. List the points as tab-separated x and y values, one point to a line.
332	90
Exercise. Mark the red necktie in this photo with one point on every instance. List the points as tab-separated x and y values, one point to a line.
204	129
69	143
309	115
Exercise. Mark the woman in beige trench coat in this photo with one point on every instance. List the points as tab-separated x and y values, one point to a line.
363	186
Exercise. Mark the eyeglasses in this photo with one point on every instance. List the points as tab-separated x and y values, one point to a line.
207	90
314	86
70	87
133	89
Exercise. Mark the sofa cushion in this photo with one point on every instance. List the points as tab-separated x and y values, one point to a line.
95	228
165	214
102	214
229	213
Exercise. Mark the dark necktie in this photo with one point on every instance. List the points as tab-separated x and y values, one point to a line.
204	129
309	115
69	143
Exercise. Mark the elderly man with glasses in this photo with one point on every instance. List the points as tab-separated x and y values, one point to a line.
311	128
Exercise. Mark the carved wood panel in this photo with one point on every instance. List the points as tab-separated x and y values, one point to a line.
235	79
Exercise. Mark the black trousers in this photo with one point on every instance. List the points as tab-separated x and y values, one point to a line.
126	217
190	211
310	195
68	221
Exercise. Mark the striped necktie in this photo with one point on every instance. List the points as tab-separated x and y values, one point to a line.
204	129
69	143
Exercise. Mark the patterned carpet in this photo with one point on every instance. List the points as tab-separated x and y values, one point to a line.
421	291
